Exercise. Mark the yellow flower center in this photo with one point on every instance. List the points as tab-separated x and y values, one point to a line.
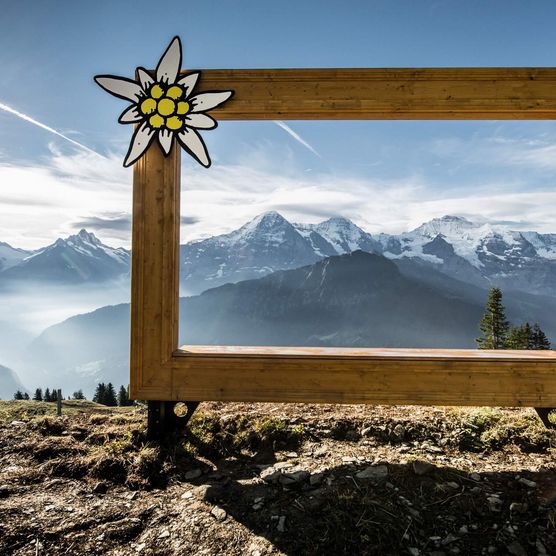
163	107
183	107
156	121
166	107
148	106
174	123
174	92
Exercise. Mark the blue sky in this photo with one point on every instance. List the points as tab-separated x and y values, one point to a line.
384	175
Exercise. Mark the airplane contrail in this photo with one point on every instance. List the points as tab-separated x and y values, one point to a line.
15	112
296	136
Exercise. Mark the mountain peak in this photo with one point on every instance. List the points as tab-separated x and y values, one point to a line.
339	222
270	217
265	223
83	236
445	225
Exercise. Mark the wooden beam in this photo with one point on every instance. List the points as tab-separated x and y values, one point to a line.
435	377
430	377
385	94
154	271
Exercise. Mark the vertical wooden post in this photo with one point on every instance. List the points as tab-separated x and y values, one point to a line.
155	271
59	402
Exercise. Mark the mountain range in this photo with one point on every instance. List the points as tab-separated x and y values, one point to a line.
477	253
482	254
78	258
273	282
356	299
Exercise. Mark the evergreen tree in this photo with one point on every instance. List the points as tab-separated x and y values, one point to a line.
54	395
38	395
26	396
18	395
100	393
538	338
78	395
519	337
123	397
110	395
494	325
47	397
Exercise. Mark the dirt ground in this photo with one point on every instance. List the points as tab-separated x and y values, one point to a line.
272	479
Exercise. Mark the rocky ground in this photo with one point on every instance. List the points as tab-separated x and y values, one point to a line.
262	479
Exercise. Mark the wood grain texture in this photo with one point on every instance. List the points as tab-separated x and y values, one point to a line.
154	271
374	353
429	377
385	94
365	379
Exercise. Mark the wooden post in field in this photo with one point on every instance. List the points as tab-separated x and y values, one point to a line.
59	403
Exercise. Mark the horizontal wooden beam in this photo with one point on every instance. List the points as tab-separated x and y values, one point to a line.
385	94
424	377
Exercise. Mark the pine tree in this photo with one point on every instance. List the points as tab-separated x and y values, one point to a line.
47	397
519	337
18	395
123	397
100	393
538	338
110	395
54	395
494	325
38	395
26	396
78	395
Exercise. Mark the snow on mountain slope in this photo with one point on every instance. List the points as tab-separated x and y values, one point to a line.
10	256
472	241
344	235
265	244
78	258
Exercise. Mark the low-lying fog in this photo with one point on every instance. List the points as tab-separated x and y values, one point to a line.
27	310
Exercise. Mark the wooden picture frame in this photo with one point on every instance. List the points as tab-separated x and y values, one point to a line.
161	370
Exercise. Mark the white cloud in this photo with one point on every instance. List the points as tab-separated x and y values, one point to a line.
40	202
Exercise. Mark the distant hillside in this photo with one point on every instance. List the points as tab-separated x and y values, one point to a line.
357	299
9	383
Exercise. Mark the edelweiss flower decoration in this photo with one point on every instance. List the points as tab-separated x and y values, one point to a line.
164	107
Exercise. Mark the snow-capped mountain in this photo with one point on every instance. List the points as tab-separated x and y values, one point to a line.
342	235
480	253
10	256
265	244
78	258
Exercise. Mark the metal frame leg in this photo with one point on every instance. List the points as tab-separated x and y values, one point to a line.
543	413
163	421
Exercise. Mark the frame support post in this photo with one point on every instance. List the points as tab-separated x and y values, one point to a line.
543	413
163	421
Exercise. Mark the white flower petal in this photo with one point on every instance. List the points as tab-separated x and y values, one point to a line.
191	141
120	87
131	115
145	79
165	137
206	101
188	82
201	121
169	65
139	144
